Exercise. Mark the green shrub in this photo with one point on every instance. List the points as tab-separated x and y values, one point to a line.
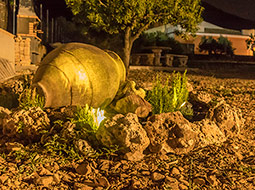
220	46
168	97
86	118
86	125
61	146
29	98
157	39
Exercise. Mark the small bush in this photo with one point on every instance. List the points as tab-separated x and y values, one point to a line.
168	97
29	98
157	39
61	146
86	118
220	46
86	125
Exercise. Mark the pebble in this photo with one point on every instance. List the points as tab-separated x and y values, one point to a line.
102	181
184	182
104	165
183	187
80	186
56	178
3	178
172	182
212	180
199	181
45	181
157	176
175	171
83	169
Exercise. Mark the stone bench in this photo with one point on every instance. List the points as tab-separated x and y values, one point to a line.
143	59
169	58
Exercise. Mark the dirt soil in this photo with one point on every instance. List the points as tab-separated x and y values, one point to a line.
228	166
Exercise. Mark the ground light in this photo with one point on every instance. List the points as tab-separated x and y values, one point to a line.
98	115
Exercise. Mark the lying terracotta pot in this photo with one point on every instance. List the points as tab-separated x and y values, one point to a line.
79	74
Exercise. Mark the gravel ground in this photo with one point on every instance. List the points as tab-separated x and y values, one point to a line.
229	166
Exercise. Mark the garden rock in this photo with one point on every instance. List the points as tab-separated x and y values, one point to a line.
170	132
229	119
131	100
127	133
201	97
157	132
208	133
84	147
3	113
133	104
26	123
83	169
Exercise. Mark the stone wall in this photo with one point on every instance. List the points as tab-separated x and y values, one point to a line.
22	51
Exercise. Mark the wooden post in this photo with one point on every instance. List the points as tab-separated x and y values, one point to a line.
52	30
56	31
47	26
41	18
14	18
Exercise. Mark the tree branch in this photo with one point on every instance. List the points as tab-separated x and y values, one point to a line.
139	32
102	3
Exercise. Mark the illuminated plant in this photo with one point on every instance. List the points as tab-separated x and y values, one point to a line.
29	98
88	118
169	97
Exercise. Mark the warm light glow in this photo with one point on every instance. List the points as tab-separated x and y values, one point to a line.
98	115
82	75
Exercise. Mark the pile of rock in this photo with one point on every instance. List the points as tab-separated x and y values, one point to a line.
161	133
24	124
169	132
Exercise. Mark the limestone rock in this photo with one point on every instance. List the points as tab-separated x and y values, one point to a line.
170	132
157	132
229	119
172	182
26	123
133	104
200	97
3	113
127	133
209	133
131	100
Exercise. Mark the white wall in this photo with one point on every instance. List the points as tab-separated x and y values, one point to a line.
7	45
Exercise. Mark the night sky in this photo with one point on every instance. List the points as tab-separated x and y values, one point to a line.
233	14
242	8
56	7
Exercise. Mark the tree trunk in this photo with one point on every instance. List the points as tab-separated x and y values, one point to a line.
127	48
129	41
